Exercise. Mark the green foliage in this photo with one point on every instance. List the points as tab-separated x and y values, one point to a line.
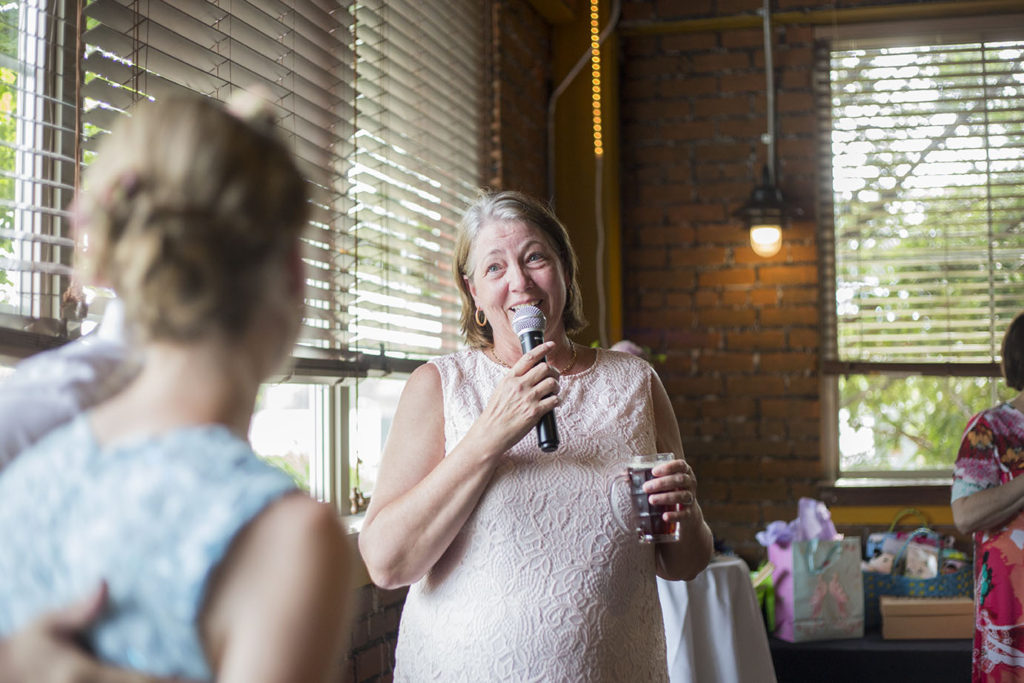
295	467
890	422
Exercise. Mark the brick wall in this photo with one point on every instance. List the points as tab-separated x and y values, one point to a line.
520	86
739	332
374	635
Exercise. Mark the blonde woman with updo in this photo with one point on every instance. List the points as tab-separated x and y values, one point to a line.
216	566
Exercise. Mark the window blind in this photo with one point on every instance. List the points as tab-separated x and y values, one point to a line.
37	167
922	202
300	51
414	169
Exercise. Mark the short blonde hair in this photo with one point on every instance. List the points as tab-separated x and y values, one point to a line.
186	209
513	206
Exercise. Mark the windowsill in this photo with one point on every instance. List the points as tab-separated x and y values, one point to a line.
353	523
851	491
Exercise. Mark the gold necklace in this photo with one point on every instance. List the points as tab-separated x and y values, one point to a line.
561	371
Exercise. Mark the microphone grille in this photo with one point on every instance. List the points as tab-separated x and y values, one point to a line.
528	318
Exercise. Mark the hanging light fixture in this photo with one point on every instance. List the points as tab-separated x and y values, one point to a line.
764	212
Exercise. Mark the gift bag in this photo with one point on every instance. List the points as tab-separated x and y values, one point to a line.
885	540
819	592
955	584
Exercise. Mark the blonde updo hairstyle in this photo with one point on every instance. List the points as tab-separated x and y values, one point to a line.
507	206
192	214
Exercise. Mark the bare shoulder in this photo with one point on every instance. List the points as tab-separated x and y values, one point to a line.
280	600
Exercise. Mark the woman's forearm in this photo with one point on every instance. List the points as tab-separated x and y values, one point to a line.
988	508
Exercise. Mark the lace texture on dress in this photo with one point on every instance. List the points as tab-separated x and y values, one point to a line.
542	584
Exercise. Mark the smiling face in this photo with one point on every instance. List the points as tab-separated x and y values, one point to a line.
512	263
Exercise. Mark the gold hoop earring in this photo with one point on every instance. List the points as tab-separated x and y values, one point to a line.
480	314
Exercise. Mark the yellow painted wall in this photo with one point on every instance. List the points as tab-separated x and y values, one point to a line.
575	180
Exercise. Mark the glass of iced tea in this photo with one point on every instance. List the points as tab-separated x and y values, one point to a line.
648	522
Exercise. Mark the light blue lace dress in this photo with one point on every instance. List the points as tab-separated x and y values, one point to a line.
152	516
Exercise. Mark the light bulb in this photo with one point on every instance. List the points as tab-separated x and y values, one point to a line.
765	240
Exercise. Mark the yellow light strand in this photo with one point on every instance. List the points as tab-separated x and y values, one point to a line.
595	71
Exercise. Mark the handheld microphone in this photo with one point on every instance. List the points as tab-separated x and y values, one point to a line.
529	323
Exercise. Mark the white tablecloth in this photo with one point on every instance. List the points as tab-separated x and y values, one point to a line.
714	631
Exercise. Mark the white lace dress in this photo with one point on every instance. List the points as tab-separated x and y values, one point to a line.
541	584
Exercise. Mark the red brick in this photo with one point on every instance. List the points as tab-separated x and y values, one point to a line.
797	35
681	299
729	7
799	295
735	297
720	61
696	256
709	173
807	469
686	130
727	361
706	298
695	386
736	191
731	276
741	83
665	193
687	87
741	37
714	151
794	102
803	386
788	362
753	491
660	279
720	468
802	339
679	9
795	79
755	340
789	148
790	408
790	315
664	319
715	107
692	339
788	274
688	42
727	317
804	428
651	300
726	407
696	212
733	512
668	234
646	258
743	129
653	66
802	253
764	296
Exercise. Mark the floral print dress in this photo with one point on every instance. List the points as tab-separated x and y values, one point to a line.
992	453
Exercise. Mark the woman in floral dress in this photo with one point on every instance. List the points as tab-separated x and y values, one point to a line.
988	501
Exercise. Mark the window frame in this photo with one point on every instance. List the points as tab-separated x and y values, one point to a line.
831	368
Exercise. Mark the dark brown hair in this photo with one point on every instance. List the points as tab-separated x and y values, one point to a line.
1013	353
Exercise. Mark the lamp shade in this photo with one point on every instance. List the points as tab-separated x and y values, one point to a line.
764	214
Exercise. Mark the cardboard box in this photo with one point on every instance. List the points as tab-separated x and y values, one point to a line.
926	618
